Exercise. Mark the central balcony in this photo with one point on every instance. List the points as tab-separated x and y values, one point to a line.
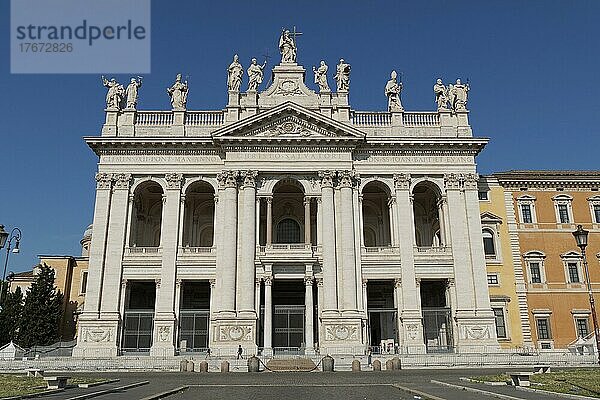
288	251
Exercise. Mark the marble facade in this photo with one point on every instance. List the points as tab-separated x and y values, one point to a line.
287	150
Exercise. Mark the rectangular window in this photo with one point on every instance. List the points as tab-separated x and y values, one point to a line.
534	270
500	323
526	212
563	213
483	195
492	279
573	272
597	213
582	327
84	276
543	328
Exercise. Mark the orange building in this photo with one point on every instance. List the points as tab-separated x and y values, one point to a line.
70	279
548	206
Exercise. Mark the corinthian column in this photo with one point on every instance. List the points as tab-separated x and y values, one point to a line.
330	304
347	267
227	246
246	271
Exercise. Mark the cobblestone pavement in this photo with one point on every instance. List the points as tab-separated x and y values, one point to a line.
305	386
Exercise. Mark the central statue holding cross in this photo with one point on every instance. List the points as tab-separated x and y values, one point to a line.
287	45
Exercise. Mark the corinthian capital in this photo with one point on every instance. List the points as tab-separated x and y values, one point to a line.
103	180
227	179
471	181
249	178
122	181
326	178
174	180
453	181
402	181
347	178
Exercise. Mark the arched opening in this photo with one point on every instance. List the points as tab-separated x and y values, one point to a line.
489	245
426	207
199	215
288	212
146	218
377	231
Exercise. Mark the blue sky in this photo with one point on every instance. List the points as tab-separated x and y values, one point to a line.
532	65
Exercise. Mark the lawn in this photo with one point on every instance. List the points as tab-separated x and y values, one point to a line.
17	385
581	381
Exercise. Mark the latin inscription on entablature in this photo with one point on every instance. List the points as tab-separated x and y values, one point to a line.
273	156
160	159
380	159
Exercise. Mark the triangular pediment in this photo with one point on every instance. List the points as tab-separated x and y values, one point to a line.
288	121
490	218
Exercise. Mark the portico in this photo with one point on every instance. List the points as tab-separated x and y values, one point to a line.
286	222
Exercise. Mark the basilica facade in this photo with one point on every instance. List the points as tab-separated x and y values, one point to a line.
286	222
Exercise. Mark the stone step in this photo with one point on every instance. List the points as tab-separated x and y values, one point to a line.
291	364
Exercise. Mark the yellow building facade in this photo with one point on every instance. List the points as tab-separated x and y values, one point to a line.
548	206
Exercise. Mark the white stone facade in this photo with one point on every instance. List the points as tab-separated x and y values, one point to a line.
302	192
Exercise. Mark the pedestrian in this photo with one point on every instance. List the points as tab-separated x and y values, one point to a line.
240	351
369	355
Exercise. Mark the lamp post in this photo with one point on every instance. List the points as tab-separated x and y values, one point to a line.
15	235
581	238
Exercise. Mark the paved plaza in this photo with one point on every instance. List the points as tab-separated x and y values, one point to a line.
412	384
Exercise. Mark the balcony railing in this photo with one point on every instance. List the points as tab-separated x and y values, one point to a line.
143	250
366	118
421	119
381	250
198	250
204	118
154	118
285	248
433	249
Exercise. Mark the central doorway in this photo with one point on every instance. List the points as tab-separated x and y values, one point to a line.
288	315
382	317
194	316
437	317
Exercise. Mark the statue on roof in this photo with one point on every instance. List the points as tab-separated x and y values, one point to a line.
287	46
441	95
342	76
321	77
178	93
459	95
235	73
392	91
114	95
255	74
132	92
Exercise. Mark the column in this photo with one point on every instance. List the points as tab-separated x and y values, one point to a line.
215	221
178	292
257	219
269	220
366	334
460	245
109	302
399	307
182	215
392	234
319	222
412	327
130	221
362	223
308	315
247	238
123	298
164	317
257	297
348	268
307	220
211	308
319	308
268	326
98	246
443	224
227	246
329	256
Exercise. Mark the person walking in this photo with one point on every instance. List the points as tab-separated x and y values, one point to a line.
239	351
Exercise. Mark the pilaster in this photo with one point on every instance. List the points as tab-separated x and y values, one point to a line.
164	317
247	241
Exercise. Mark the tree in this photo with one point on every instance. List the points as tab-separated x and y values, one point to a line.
42	311
10	315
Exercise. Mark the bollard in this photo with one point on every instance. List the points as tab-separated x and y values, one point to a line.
376	365
190	366
203	366
183	366
253	364
355	366
224	366
389	365
328	364
397	363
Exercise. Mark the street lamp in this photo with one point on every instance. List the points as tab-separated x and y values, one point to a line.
581	238
15	235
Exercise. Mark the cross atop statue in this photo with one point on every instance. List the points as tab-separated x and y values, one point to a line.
287	45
